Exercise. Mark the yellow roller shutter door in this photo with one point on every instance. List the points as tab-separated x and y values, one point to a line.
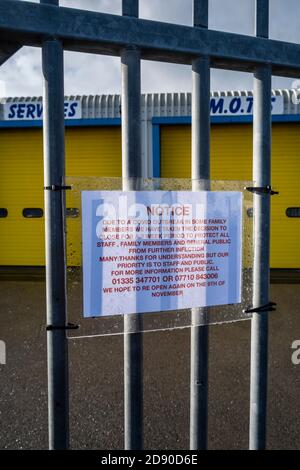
89	151
231	159
285	239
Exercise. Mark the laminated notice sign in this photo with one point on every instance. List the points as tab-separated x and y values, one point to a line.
152	251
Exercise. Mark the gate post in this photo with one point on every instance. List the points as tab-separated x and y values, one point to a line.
261	269
200	171
132	169
54	174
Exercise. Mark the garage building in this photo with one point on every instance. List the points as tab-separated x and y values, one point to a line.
93	148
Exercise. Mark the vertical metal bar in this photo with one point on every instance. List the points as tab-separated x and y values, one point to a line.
200	171
262	18
261	177
132	169
200	13
130	8
131	114
201	121
54	172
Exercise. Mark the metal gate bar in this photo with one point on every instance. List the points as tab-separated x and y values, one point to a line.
29	24
131	171
54	177
261	276
200	177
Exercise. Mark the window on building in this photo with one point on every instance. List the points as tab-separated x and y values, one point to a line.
33	213
3	213
293	212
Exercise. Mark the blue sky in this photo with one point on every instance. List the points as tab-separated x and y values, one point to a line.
91	74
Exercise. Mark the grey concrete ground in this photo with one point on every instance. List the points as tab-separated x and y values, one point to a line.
96	380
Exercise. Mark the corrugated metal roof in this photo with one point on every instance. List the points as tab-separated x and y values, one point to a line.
154	104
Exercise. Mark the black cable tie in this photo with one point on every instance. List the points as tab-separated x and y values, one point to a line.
56	187
261	190
69	326
270	307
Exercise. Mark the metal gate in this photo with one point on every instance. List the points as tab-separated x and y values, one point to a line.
56	29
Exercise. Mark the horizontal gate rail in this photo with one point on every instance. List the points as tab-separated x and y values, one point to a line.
101	33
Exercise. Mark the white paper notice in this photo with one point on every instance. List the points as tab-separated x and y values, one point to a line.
149	251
